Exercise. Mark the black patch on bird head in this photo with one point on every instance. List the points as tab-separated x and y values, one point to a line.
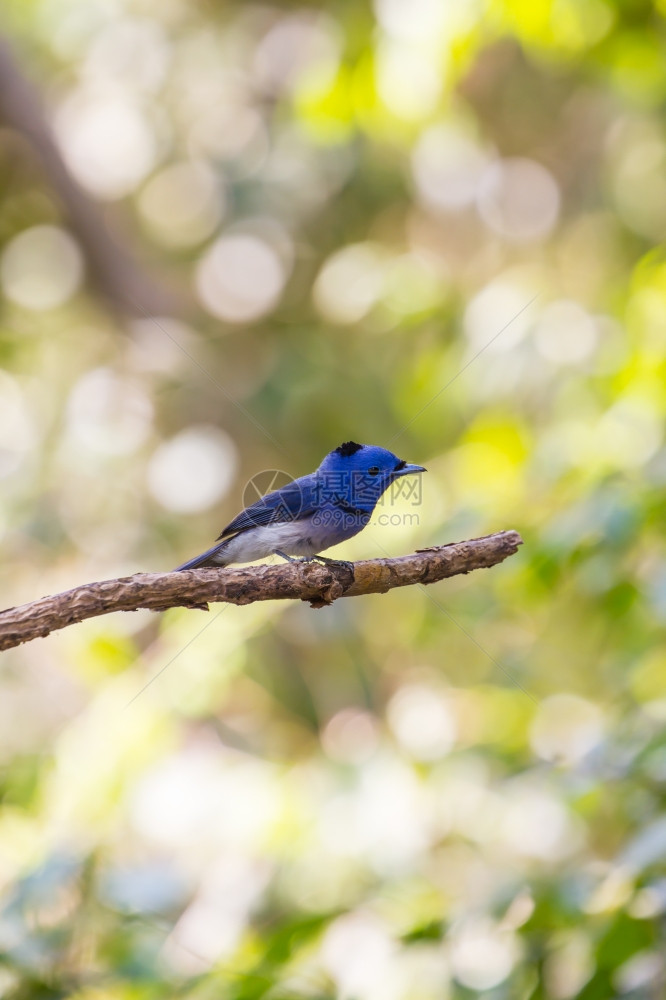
348	448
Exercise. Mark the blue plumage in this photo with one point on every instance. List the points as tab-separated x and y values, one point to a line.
312	513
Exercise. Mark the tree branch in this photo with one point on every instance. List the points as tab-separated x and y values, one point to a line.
319	584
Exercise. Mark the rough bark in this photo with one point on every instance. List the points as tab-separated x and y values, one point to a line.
319	584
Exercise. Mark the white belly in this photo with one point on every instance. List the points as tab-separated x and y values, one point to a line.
256	543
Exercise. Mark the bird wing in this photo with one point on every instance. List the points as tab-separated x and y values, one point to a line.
290	503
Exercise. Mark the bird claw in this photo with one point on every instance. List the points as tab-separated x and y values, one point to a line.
320	559
333	562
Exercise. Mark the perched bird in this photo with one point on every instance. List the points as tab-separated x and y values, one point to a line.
312	513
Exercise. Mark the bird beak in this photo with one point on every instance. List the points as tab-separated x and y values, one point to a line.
409	470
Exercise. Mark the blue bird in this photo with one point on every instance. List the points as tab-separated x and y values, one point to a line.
312	513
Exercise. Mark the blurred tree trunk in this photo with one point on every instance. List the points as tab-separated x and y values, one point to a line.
113	269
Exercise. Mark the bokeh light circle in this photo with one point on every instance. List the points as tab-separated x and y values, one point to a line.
107	141
240	278
519	200
182	204
41	268
350	283
193	470
565	333
108	413
447	166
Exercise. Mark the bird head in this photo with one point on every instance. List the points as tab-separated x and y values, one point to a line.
360	473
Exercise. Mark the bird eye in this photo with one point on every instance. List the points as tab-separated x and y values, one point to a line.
374	470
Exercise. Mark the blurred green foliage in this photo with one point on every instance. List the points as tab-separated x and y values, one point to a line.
433	225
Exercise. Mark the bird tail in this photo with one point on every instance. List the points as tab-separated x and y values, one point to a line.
211	557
